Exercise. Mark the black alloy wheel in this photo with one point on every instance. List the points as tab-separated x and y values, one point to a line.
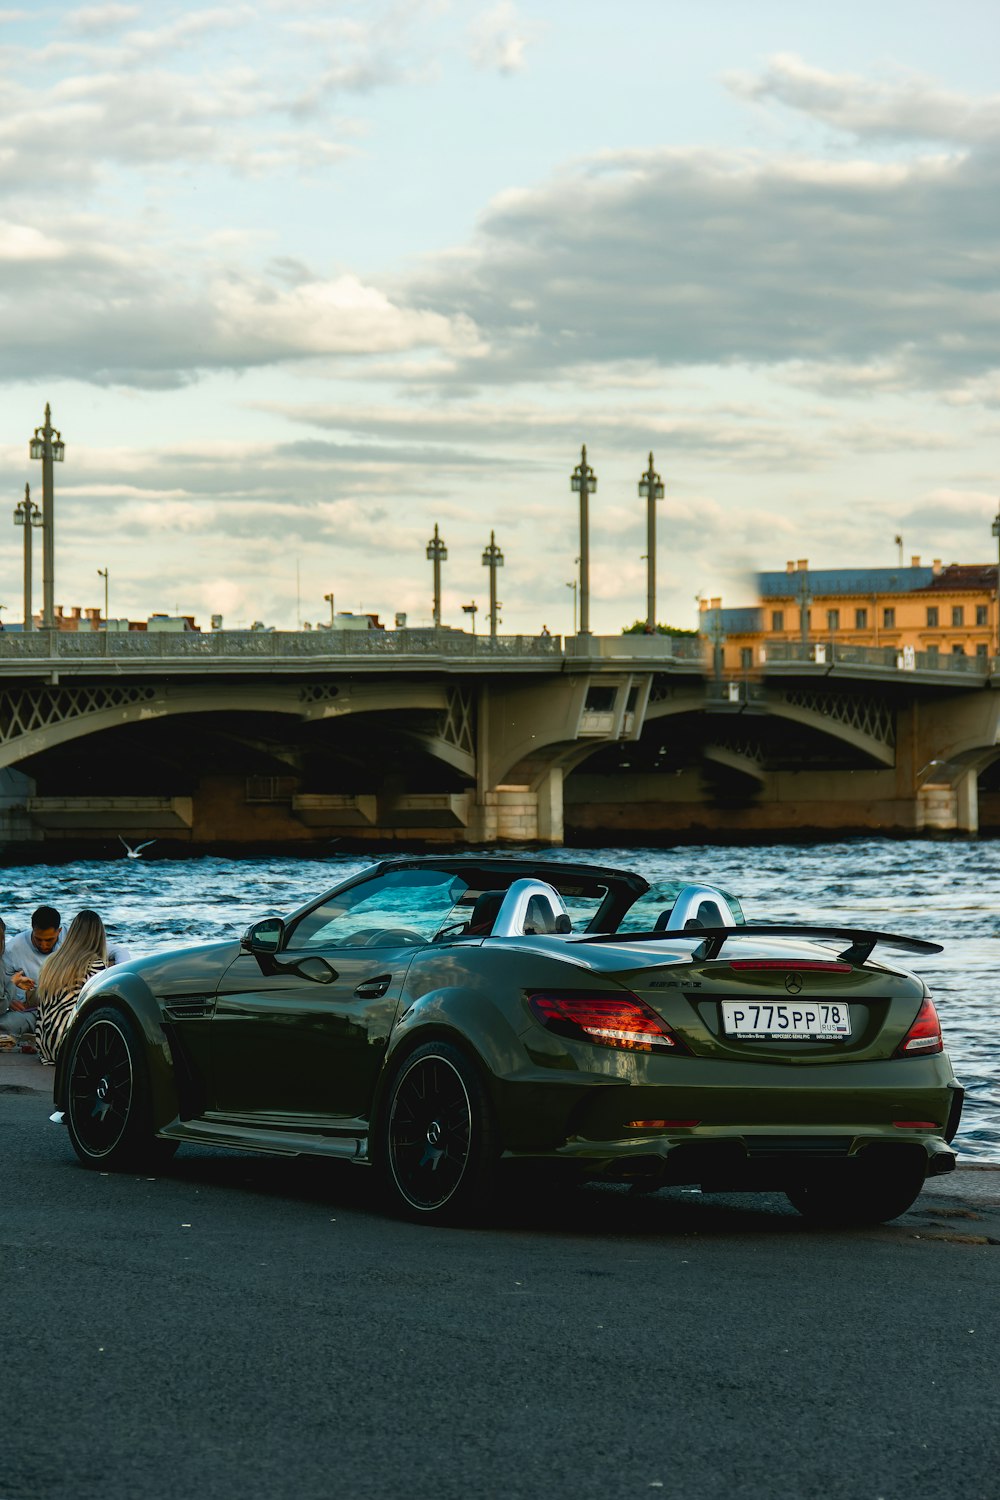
107	1095
438	1140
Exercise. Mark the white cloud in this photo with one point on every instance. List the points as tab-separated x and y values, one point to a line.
907	108
498	39
95	20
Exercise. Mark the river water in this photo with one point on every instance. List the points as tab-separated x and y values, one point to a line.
947	891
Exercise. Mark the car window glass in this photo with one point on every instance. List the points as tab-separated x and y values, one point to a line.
401	906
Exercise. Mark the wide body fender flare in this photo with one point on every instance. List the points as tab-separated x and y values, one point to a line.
130	993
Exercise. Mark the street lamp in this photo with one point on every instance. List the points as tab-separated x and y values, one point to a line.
583	483
27	514
996	532
471	609
573	585
329	600
437	553
805	599
493	559
103	573
47	444
651	490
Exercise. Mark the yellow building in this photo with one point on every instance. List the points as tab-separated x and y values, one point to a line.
932	611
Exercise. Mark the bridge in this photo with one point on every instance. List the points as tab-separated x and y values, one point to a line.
437	735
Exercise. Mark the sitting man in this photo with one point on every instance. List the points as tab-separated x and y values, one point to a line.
25	955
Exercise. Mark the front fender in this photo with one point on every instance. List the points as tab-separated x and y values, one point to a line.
130	993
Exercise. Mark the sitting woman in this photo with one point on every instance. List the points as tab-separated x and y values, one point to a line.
83	952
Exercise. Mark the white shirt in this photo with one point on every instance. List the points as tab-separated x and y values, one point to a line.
22	954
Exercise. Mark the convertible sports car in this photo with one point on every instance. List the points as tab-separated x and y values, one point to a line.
437	1018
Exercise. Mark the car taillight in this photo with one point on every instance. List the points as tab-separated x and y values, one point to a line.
924	1036
609	1020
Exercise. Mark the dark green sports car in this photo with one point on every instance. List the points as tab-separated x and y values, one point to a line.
438	1018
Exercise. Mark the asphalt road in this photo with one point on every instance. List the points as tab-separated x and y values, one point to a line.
247	1327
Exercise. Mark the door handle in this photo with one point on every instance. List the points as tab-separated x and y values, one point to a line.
373	989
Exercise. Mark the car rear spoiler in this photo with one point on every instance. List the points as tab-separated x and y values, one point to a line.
860	941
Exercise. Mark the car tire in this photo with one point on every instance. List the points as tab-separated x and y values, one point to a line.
108	1109
873	1197
437	1140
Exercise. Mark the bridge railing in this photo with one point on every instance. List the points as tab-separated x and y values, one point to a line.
883	658
141	645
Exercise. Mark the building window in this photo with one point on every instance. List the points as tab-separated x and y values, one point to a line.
889	617
777	619
861	619
932	615
982	649
833	619
982	616
958	614
958	650
746	657
934	652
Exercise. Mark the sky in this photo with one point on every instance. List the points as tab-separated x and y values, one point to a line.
303	280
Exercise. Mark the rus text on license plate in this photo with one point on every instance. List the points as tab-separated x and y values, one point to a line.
760	1020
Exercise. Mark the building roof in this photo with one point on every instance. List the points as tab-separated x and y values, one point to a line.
846	581
978	576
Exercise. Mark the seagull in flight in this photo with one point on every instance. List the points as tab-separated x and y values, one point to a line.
135	853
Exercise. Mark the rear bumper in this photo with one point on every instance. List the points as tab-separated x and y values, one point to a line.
754	1161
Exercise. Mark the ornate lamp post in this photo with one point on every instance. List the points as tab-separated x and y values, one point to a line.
47	444
103	573
329	600
573	585
805	599
471	609
438	553
493	559
651	490
27	514
584	483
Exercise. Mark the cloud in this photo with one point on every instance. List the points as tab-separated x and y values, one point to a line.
688	257
498	39
910	108
78	304
95	20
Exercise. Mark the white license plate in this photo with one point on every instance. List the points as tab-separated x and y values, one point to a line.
803	1020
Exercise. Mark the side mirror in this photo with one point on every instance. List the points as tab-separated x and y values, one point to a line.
265	936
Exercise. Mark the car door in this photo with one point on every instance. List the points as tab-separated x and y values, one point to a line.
300	1034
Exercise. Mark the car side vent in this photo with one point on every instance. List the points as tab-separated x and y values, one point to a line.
190	1010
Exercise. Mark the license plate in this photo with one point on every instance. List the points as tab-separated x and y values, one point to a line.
802	1021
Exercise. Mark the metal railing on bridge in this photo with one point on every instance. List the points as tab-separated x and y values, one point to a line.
285	645
879	658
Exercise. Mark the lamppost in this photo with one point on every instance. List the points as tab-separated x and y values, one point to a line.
805	599
573	585
471	609
996	532
493	559
103	573
47	444
438	553
584	483
329	600
651	490
27	514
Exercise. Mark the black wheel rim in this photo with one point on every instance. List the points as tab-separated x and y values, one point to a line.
430	1133
100	1088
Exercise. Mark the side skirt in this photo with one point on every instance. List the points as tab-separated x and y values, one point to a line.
272	1142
